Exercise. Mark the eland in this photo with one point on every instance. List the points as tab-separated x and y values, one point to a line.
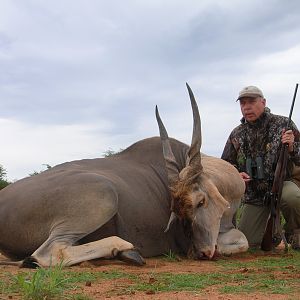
156	196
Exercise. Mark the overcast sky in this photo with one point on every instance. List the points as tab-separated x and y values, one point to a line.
79	77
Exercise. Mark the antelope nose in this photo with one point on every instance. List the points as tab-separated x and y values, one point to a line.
209	254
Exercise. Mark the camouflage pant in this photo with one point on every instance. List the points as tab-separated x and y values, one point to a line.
254	218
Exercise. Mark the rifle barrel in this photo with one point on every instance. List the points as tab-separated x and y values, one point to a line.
292	106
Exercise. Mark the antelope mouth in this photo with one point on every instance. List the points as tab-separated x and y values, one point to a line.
203	255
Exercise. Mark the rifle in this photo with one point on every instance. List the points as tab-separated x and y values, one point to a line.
273	228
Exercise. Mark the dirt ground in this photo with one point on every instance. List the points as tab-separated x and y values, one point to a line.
110	289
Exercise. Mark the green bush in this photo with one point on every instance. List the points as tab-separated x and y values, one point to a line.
3	181
3	184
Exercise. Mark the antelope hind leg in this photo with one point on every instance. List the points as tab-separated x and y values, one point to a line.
109	247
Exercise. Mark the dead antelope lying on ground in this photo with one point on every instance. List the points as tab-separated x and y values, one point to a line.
109	207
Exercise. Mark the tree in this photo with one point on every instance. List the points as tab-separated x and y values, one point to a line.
2	172
111	152
36	172
3	181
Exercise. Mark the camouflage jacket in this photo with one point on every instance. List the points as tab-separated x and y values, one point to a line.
260	139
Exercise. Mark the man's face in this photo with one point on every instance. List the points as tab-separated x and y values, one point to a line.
252	108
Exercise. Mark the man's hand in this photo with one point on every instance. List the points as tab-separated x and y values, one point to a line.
245	177
288	138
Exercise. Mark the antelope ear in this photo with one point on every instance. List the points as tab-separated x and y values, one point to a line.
173	217
214	193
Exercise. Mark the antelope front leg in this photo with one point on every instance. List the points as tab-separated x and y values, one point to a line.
232	241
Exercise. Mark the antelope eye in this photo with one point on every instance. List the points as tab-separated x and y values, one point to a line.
200	203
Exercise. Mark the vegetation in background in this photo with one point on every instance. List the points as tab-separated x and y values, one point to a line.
36	172
3	180
111	152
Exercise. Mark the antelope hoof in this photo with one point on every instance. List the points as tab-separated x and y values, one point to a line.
30	262
131	256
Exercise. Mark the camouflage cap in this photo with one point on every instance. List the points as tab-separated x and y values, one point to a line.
250	91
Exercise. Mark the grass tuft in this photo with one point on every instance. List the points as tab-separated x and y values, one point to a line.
171	256
42	284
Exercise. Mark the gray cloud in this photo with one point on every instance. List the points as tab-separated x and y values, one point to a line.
101	67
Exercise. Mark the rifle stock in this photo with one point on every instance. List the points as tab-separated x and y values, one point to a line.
267	241
273	225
